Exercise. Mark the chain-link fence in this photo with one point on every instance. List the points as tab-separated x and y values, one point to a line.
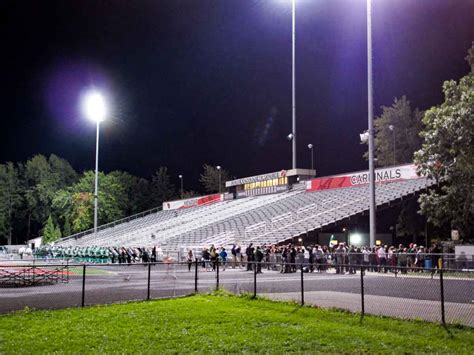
434	294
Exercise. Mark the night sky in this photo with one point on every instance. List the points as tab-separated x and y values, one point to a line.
209	81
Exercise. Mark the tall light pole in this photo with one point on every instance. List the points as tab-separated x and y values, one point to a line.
181	178
392	129
310	147
293	75
219	169
370	92
95	110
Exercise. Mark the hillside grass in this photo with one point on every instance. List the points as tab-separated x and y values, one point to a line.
220	323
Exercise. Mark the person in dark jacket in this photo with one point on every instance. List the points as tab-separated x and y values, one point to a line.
293	259
249	253
205	259
340	258
258	259
233	251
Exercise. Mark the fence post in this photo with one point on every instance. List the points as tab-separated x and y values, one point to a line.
254	281
149	279
83	284
441	284
302	286
362	291
217	275
196	277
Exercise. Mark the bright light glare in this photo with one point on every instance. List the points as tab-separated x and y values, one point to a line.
355	239
94	106
364	137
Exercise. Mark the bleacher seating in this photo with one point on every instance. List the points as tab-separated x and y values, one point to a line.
264	219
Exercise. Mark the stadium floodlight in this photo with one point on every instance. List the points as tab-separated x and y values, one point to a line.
364	137
182	192
94	106
310	147
95	109
220	177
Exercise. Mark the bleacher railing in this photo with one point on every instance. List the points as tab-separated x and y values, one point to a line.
112	224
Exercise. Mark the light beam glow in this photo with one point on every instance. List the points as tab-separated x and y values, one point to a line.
355	239
94	106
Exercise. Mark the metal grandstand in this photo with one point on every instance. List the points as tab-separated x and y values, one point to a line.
269	219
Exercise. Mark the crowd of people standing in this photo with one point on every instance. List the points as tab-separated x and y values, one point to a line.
283	258
318	258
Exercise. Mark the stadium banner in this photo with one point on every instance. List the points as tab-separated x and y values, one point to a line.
401	172
192	202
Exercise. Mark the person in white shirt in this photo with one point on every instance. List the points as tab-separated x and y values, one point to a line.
382	259
21	251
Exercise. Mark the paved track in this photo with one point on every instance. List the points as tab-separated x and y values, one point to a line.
404	296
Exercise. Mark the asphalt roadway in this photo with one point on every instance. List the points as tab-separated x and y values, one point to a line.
406	296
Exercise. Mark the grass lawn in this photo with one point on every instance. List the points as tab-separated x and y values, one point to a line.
220	323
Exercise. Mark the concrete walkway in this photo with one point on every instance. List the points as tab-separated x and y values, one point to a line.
461	313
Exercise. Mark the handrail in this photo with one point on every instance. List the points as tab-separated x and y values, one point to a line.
113	223
255	226
281	217
306	208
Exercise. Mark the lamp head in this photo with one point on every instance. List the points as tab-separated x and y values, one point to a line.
310	146
218	167
290	137
180	176
391	127
94	106
364	137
